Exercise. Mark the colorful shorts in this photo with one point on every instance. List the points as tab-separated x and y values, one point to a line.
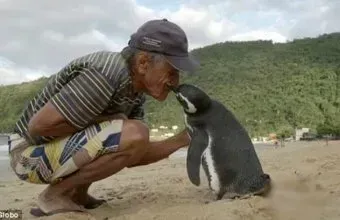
49	163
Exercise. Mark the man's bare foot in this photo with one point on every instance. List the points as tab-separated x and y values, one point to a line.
51	203
86	200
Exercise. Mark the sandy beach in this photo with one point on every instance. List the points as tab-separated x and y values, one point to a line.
306	177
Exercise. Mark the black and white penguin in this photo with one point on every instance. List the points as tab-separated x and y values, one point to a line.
221	145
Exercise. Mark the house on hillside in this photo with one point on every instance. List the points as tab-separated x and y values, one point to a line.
299	133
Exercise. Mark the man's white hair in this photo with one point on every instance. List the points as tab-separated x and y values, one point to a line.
130	52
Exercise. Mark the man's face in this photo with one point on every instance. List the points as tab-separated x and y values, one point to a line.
157	76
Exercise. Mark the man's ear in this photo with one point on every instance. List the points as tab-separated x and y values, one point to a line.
142	62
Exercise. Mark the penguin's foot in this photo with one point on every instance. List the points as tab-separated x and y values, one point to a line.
228	196
233	196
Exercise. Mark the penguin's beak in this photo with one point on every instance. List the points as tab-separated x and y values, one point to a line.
172	88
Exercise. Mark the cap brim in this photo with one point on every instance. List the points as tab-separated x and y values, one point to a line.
184	64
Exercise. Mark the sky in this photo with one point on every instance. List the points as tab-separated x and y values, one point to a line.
39	37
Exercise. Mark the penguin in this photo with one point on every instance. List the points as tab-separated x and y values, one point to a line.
221	145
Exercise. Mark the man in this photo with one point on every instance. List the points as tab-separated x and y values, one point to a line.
87	123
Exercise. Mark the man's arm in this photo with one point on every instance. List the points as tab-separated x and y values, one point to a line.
159	150
49	122
102	118
75	107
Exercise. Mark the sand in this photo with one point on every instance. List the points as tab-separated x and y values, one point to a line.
306	176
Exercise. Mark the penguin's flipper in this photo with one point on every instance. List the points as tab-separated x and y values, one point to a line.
199	142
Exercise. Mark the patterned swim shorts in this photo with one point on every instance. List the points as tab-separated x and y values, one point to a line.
49	163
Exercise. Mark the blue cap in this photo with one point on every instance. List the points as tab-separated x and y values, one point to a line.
167	38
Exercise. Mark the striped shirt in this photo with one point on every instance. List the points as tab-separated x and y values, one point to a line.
96	84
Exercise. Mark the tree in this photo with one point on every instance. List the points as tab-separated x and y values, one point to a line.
283	133
330	127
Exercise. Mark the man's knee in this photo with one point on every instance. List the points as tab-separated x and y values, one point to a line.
135	136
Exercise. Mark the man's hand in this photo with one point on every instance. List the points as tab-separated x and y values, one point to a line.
182	139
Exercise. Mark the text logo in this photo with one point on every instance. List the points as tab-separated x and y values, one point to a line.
10	214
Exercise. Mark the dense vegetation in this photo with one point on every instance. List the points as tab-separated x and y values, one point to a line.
269	87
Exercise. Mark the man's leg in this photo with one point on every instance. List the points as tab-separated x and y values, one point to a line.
133	145
155	151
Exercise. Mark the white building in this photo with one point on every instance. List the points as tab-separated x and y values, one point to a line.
299	133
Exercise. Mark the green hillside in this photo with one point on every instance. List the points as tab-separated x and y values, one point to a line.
268	86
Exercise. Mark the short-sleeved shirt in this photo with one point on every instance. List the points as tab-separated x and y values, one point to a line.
96	84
